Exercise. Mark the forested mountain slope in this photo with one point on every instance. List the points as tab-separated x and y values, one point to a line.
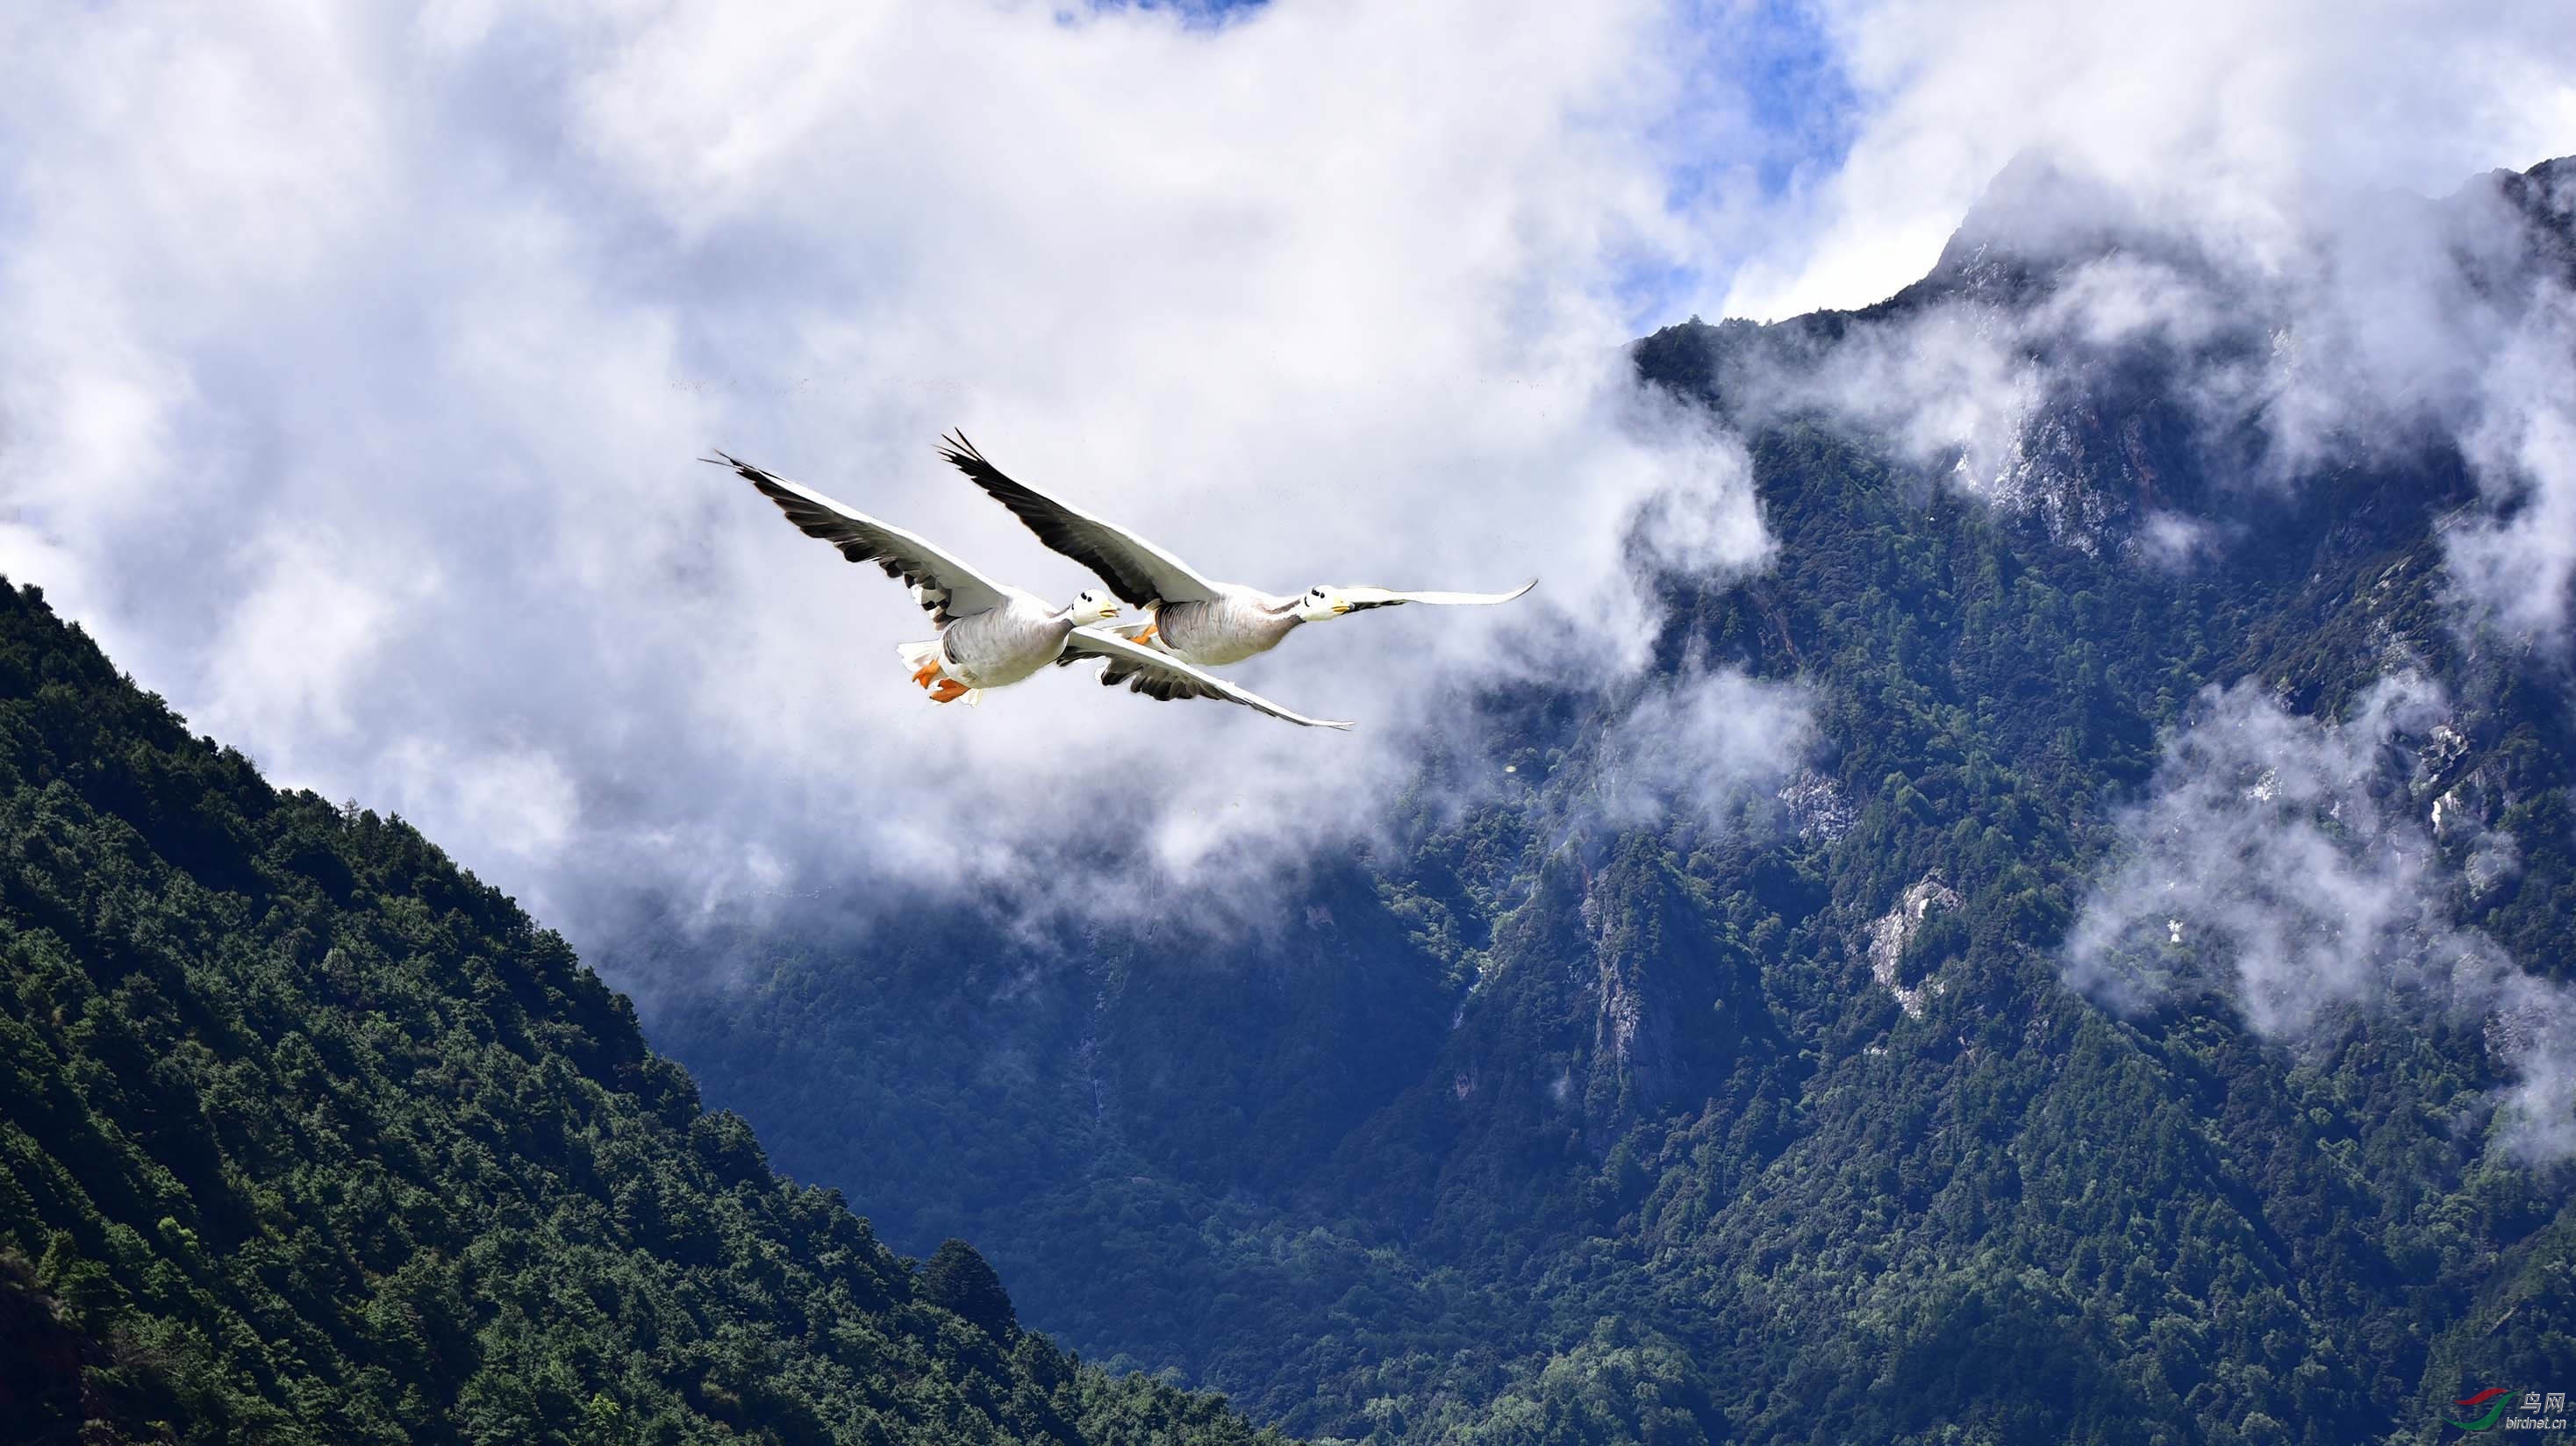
1862	1107
306	1136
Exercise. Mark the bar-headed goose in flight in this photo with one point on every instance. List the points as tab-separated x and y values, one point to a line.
1199	621
991	636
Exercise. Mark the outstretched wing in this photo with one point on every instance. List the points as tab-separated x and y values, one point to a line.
1160	675
946	588
1136	570
1363	598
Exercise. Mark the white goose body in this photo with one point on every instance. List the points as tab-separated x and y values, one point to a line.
998	648
1236	624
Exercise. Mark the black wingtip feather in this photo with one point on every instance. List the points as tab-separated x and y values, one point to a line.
1043	518
723	458
961	454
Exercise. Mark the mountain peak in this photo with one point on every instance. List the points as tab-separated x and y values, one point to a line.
2040	211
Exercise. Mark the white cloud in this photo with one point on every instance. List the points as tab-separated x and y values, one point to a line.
2232	120
358	367
2515	565
1702	745
523	803
2284	863
454	299
1953	384
285	660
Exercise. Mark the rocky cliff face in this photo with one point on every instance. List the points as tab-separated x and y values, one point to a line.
1891	933
1676	1006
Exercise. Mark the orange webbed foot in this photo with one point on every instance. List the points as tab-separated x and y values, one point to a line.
948	691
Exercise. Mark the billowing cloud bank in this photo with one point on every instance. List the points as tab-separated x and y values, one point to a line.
356	360
358	363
